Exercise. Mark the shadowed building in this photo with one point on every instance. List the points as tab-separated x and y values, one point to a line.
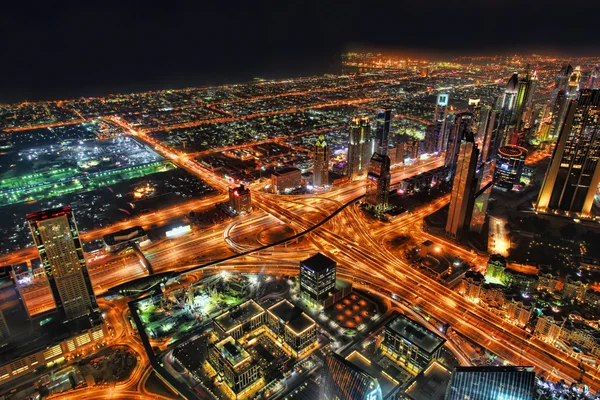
492	383
359	147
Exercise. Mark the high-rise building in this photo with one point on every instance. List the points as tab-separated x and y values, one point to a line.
382	131
509	167
56	237
359	147
573	175
378	183
562	79
491	383
558	113
343	380
458	131
240	200
488	132
317	278
574	80
321	163
484	178
464	188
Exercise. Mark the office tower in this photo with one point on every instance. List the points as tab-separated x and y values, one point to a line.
57	240
411	344
484	178
343	380
317	277
510	161
440	122
382	131
464	187
458	130
523	97
594	77
321	163
573	174
286	180
240	200
492	383
488	132
562	79
378	183
574	82
359	147
558	113
507	107
474	108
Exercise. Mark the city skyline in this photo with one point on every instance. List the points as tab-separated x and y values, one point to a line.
373	233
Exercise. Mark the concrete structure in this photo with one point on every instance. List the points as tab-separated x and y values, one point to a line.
411	344
342	380
321	163
240	200
56	236
510	161
492	383
359	148
240	320
378	183
286	179
298	330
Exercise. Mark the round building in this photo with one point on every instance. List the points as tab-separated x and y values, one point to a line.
509	168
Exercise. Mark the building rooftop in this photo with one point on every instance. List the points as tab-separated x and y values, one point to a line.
292	316
284	171
431	384
386	382
318	263
124	235
416	334
232	351
54	212
238	315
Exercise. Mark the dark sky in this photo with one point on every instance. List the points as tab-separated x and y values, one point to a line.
63	51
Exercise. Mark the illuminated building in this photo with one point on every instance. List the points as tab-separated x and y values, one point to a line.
549	325
495	268
342	380
382	131
317	278
575	288
492	383
359	147
470	286
240	200
488	132
507	106
297	329
240	320
464	187
235	367
509	167
57	240
458	131
411	344
378	183
440	122
286	179
574	82
558	113
562	79
124	238
522	101
573	175
321	163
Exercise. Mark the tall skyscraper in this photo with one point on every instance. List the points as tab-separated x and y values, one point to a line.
462	124
507	107
321	163
464	187
378	183
359	147
57	240
342	380
574	81
382	131
558	113
317	277
488	132
491	383
440	123
562	79
574	174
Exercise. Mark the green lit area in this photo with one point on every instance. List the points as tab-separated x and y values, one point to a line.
47	184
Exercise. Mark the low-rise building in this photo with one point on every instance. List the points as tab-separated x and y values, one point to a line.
549	325
240	200
240	320
293	326
126	237
286	179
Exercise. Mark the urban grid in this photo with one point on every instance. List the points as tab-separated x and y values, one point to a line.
404	229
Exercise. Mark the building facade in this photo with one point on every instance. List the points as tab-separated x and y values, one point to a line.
317	278
321	163
359	147
491	383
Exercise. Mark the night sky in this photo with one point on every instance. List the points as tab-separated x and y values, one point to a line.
61	51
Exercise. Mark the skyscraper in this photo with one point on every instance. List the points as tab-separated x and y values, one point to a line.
359	147
491	383
440	123
321	163
488	132
574	81
342	380
507	107
382	131
317	277
57	239
378	183
558	113
464	188
573	174
462	123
